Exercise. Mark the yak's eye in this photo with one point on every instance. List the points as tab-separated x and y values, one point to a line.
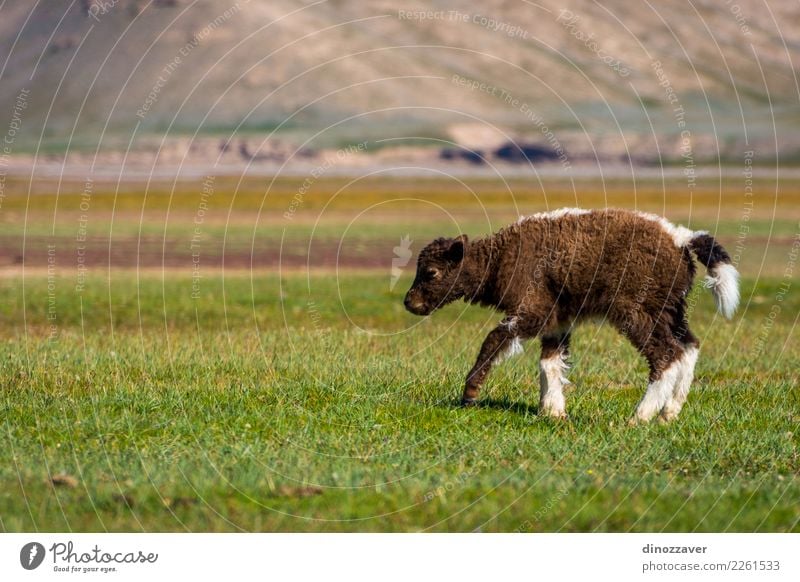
433	273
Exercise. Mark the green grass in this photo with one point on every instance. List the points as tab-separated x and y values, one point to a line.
251	214
287	402
318	404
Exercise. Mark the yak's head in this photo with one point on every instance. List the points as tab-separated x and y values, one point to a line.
439	275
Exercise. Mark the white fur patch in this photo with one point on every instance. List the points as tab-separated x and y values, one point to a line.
552	214
681	235
687	363
680	391
514	349
552	380
658	393
723	280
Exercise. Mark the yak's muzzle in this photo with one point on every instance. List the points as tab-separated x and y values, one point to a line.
415	305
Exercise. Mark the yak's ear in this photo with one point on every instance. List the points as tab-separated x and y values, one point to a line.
457	250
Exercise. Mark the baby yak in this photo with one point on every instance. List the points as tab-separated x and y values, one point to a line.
548	271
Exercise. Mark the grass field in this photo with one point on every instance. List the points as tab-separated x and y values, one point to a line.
309	400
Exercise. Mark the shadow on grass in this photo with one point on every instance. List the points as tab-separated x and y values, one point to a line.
502	404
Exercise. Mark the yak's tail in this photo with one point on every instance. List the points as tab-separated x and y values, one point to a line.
723	278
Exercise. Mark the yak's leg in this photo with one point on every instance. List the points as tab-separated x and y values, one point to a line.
552	365
499	341
663	353
686	366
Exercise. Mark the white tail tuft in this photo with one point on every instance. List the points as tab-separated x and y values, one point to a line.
723	280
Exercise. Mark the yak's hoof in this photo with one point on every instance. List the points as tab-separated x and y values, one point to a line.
666	418
554	415
465	402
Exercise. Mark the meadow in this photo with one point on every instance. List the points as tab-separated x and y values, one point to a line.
219	365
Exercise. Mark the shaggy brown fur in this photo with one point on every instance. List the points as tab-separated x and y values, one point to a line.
549	271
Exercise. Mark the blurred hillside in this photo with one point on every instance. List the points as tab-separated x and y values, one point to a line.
572	79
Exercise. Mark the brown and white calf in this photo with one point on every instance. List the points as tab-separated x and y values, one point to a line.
548	271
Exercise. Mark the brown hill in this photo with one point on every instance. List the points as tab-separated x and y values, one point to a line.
340	71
